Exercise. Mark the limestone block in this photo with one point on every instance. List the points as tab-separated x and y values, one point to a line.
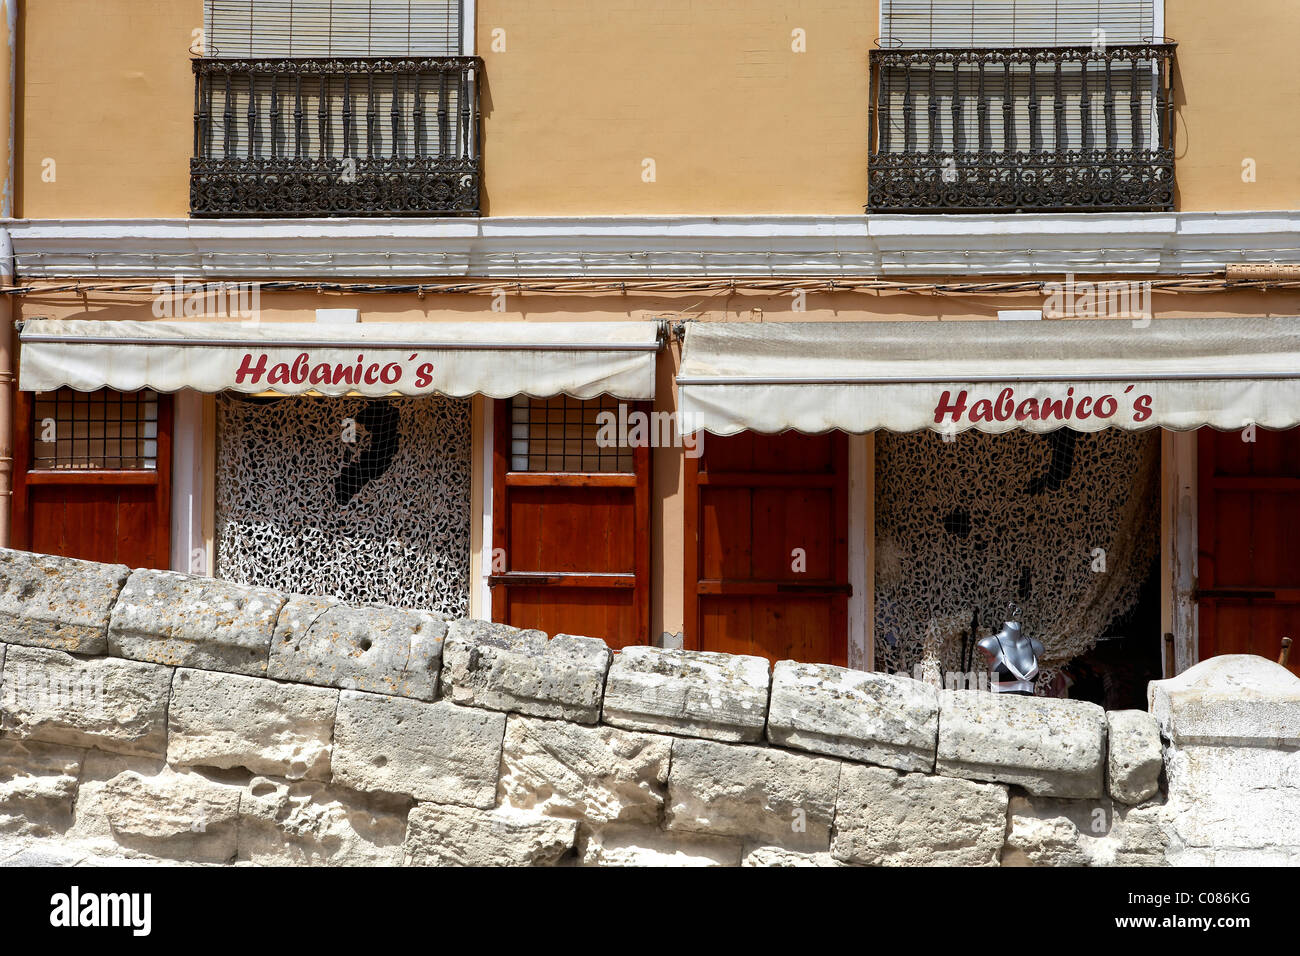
228	720
693	693
440	835
1235	798
1050	747
191	621
58	603
1232	699
505	668
438	752
309	823
886	818
38	783
1046	831
759	793
110	704
382	650
861	715
776	856
1134	758
177	815
620	845
593	774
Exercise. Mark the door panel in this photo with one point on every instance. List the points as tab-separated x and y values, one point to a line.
84	495
767	547
1248	591
571	534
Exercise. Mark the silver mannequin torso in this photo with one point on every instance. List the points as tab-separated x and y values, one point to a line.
1014	659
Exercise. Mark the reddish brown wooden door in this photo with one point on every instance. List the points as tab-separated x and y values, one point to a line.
767	553
571	523
92	476
1248	589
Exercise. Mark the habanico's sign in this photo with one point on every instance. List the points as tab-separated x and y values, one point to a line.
306	370
1130	404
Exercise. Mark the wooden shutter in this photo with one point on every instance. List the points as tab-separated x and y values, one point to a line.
966	24
266	28
571	521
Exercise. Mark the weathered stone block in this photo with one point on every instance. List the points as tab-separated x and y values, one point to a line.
1234	699
885	818
775	856
59	603
110	704
38	783
504	668
381	650
180	816
228	720
440	835
649	846
756	793
191	621
862	715
1045	831
308	823
595	774
1050	747
694	693
1134	758
437	752
1234	798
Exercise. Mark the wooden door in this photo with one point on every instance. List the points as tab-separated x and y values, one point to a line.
571	522
1248	590
767	546
92	476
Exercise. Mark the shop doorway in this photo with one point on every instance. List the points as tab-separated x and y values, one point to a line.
571	521
767	546
92	475
1248	588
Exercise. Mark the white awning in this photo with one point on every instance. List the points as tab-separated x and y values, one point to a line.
1087	374
496	359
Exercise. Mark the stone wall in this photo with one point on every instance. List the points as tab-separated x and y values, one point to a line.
154	715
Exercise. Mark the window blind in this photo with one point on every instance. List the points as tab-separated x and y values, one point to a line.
966	24
975	23
306	28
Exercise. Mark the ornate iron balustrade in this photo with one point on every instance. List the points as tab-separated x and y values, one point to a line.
372	136
1034	129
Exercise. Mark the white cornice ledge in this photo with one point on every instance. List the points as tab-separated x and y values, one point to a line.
652	246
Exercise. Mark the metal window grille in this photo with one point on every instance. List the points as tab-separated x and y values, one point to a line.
95	430
561	435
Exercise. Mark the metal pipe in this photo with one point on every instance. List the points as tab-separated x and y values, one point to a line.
998	379
348	345
8	208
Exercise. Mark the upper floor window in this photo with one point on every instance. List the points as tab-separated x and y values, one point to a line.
310	28
1009	105
335	107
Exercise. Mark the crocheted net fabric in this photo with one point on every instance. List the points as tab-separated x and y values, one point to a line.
363	500
1063	525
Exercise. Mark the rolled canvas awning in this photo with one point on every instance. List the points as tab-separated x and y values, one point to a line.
496	359
1086	374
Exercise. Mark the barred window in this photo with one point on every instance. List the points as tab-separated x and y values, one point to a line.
105	429
566	435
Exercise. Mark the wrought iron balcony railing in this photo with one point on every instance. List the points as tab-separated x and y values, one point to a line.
372	136
1021	129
